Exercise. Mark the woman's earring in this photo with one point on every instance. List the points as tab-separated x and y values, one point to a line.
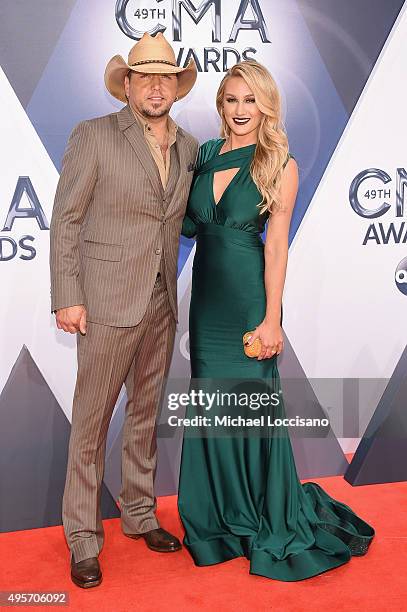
176	98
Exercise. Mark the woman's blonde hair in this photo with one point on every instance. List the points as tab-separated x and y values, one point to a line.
272	145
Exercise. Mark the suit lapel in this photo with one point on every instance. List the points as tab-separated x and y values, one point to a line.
173	182
174	172
133	131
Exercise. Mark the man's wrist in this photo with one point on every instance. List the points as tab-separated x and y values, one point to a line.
70	306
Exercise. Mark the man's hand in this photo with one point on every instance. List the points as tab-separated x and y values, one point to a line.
72	319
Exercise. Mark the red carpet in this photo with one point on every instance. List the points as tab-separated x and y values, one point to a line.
135	578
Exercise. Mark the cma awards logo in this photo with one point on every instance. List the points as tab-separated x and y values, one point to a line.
135	18
22	246
369	193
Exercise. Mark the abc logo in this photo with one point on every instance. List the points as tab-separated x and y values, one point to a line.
401	276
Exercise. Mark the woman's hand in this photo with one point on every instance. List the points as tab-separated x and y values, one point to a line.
271	337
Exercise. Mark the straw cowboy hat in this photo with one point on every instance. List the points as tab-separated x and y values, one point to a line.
152	54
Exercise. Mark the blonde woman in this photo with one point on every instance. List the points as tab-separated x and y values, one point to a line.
239	493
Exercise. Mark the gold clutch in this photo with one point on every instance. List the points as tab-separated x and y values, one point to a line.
254	349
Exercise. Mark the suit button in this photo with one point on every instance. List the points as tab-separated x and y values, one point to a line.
157	251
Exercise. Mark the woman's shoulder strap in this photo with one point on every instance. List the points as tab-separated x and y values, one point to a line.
289	155
206	151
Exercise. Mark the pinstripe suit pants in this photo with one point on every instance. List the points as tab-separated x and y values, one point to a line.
108	356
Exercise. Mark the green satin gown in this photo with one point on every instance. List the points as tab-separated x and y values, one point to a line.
241	496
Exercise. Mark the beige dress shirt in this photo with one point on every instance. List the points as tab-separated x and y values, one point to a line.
163	165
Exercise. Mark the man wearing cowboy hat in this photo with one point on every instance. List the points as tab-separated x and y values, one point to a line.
115	233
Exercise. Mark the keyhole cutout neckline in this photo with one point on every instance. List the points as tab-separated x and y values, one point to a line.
231	180
239	169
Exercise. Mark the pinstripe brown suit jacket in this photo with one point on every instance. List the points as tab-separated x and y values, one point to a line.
113	221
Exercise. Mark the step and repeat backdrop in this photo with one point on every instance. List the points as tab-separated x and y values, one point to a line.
341	70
